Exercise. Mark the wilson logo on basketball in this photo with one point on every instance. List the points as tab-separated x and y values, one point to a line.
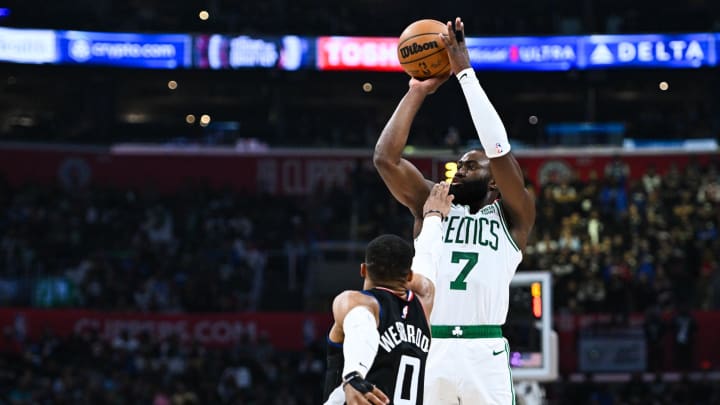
406	51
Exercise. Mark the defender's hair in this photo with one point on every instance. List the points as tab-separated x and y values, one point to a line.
389	258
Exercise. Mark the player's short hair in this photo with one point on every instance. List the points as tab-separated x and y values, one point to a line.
389	258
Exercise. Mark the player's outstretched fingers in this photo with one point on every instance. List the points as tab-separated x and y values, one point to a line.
377	397
436	189
441	189
450	37
445	192
459	30
444	187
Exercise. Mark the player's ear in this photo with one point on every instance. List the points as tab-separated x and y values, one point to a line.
363	270
410	276
492	185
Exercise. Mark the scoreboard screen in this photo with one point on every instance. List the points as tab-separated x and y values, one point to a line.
528	328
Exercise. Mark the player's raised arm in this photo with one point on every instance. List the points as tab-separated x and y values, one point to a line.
516	199
428	245
402	178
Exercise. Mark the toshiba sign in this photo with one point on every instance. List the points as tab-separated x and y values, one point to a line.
357	53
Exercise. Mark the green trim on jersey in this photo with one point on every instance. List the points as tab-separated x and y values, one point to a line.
466	331
496	203
512	386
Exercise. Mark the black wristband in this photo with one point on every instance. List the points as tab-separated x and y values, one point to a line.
433	211
356	381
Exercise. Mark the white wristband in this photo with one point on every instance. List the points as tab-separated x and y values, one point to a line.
428	247
488	124
361	341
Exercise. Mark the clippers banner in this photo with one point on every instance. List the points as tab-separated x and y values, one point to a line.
286	331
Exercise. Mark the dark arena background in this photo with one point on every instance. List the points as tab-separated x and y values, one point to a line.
184	186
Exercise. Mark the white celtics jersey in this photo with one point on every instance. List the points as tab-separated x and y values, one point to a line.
478	262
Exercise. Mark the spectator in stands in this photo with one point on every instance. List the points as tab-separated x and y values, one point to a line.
565	197
655	332
684	331
651	179
616	170
709	190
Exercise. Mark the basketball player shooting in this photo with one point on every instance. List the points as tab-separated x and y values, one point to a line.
379	342
484	236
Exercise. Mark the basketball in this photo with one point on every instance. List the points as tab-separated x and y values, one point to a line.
421	53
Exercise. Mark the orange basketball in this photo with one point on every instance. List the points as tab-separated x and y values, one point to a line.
421	53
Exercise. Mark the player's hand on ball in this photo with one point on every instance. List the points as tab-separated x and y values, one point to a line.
456	47
431	84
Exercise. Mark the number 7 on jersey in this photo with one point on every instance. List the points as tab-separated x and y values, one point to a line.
471	259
